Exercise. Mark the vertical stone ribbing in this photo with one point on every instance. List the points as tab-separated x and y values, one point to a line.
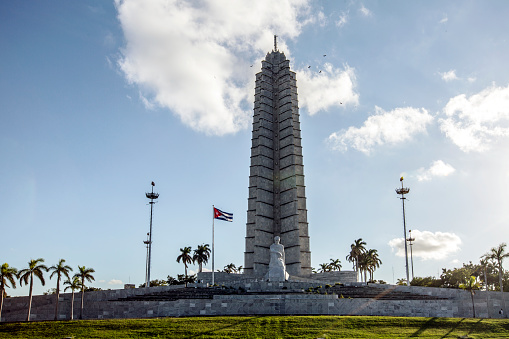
277	199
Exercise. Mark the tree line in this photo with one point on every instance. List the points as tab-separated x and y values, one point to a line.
36	269
187	256
488	272
365	261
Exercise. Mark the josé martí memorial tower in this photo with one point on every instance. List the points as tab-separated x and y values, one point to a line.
277	197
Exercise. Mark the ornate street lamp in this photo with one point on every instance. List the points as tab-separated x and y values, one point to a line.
402	191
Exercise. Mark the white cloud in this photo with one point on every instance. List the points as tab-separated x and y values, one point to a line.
342	20
194	57
147	103
364	11
115	282
108	60
332	87
428	245
109	40
438	169
444	19
392	127
322	20
473	123
449	75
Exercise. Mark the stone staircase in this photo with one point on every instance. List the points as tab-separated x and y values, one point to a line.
351	292
181	293
375	292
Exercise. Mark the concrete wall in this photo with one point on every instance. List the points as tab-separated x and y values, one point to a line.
335	276
95	303
221	278
102	304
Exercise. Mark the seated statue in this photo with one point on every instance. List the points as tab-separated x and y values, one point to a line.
277	267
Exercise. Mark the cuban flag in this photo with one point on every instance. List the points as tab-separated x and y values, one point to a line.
218	214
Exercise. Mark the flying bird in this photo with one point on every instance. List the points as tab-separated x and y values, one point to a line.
251	66
309	66
320	72
325	55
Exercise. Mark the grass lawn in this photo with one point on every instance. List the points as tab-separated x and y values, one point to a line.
263	327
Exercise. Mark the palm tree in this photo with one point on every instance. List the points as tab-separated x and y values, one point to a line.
356	249
363	264
335	264
401	282
498	254
325	267
201	255
7	275
34	268
75	284
471	285
485	261
185	257
373	262
84	274
231	268
59	269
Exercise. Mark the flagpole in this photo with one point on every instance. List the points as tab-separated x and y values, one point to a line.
213	214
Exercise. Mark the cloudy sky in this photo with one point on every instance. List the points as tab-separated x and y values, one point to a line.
101	98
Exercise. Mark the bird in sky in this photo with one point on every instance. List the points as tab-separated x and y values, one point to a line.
325	55
309	66
320	72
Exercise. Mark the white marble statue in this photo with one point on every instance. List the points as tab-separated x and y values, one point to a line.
277	267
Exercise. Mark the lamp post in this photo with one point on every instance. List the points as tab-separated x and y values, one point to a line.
147	242
402	191
152	196
410	239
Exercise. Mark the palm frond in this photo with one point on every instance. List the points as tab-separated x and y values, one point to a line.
40	275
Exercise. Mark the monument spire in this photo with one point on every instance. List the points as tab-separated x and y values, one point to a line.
277	199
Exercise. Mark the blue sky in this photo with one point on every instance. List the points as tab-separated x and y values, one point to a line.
101	98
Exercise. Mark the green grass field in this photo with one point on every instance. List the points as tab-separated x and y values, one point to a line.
263	327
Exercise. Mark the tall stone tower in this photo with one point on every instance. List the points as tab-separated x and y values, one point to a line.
277	199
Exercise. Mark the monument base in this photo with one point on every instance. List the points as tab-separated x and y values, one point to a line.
262	298
221	278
